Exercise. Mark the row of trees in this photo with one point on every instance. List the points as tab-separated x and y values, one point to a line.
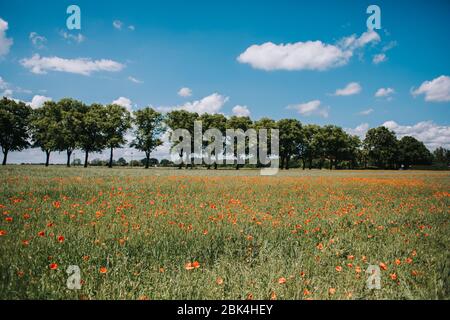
69	124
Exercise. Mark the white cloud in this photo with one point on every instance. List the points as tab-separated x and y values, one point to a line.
309	55
378	58
241	111
431	134
133	79
353	42
72	38
37	40
436	90
7	93
310	108
83	66
124	102
3	84
131	27
350	89
117	24
359	131
366	112
5	43
384	92
38	101
210	104
185	92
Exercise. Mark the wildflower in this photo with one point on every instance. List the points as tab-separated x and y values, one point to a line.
409	260
249	296
320	246
192	265
332	291
306	292
383	266
61	239
282	280
397	262
2	232
103	270
273	296
358	269
8	219
219	281
25	242
338	268
41	233
393	276
53	266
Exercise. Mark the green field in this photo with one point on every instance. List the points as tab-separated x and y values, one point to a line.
226	234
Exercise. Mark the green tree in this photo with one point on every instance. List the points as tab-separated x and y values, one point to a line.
182	119
91	137
213	121
291	140
268	124
412	151
116	120
235	123
149	127
382	147
70	113
14	127
45	128
309	151
442	155
336	145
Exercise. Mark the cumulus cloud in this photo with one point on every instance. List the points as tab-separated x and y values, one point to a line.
359	131
366	112
37	40
431	134
5	42
131	27
3	83
210	104
133	79
436	90
354	42
350	89
311	108
241	111
72	38
384	92
124	102
84	66
309	55
185	92
38	101
117	24
378	58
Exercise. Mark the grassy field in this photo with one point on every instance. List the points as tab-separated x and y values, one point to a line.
198	234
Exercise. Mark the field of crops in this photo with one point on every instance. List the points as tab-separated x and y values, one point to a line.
200	234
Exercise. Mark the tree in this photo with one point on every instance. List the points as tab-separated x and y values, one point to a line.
308	152
121	162
382	147
442	155
242	123
411	151
213	121
291	139
116	120
268	124
337	143
91	137
45	128
182	119
149	127
14	130
70	115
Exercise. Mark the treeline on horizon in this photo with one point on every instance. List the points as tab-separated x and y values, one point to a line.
69	124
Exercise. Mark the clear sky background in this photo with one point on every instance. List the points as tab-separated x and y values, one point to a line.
311	60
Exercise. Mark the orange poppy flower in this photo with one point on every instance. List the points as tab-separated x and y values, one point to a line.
273	296
249	296
383	266
282	280
219	281
393	276
320	246
61	239
408	260
332	291
397	262
53	266
338	268
2	232
8	219
103	270
192	265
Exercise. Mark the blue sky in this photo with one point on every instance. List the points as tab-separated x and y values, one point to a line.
155	48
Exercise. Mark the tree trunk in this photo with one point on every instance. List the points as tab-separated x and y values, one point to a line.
86	159
5	155
304	163
282	162
288	158
47	157
215	165
69	153
111	158
147	160
310	163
